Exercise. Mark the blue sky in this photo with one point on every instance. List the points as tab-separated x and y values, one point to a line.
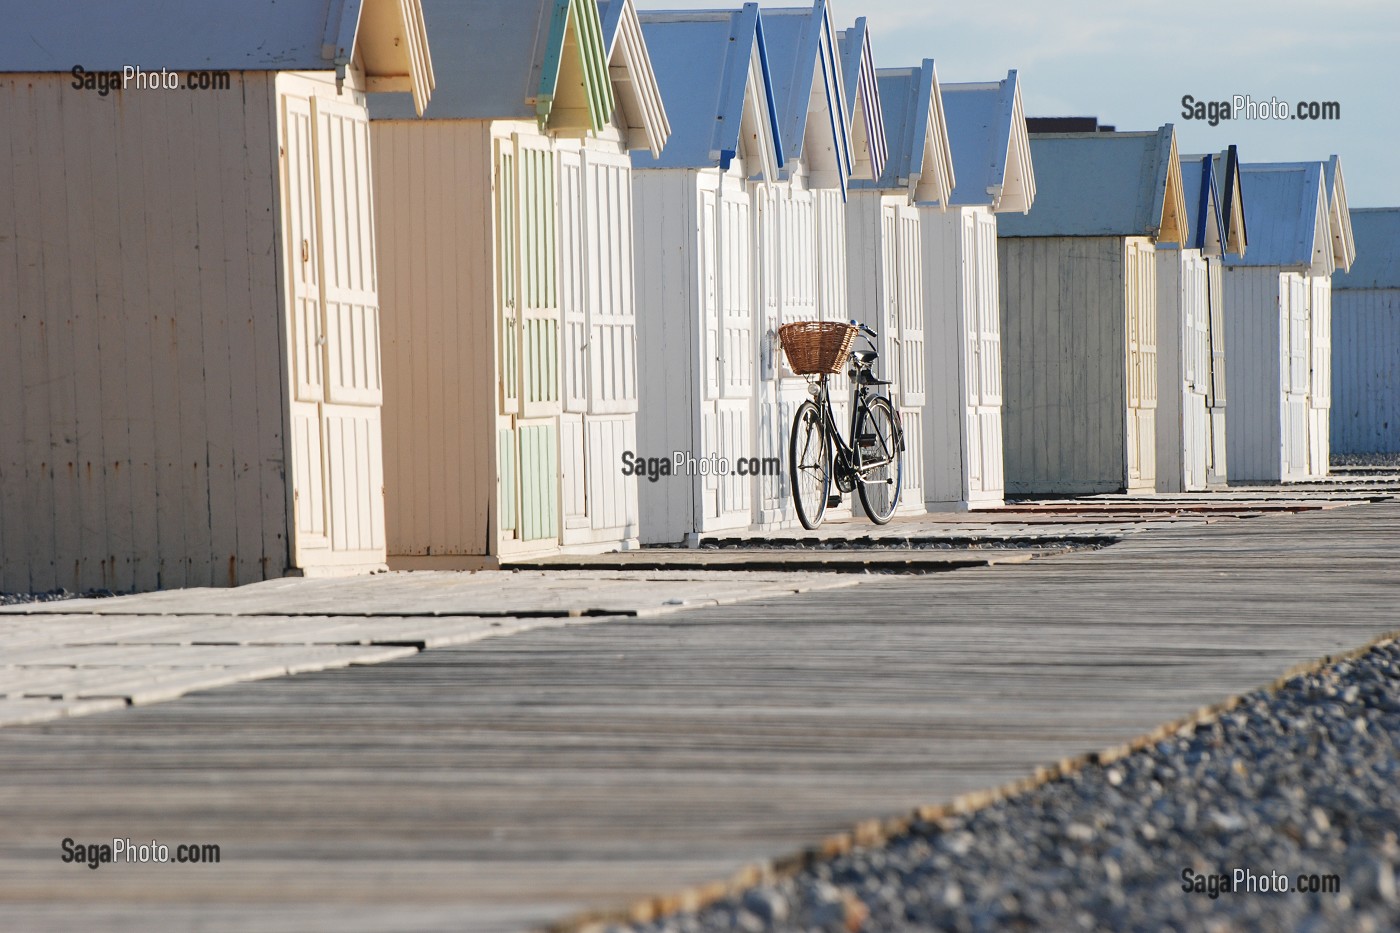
1129	63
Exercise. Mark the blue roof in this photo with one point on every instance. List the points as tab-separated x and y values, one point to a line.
802	49
702	60
494	61
1098	184
1287	216
1202	195
987	133
919	162
1377	235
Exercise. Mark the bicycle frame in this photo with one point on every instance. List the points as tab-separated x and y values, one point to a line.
845	454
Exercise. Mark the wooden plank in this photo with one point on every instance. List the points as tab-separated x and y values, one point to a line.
15	547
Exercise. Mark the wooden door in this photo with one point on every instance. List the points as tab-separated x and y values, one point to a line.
1140	290
982	325
1296	375
337	453
1320	383
529	341
1196	360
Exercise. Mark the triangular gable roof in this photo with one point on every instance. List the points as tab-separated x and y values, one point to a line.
920	163
806	73
1339	213
1289	227
640	108
1232	206
712	68
253	35
1377	238
1204	220
1104	184
991	148
865	114
536	60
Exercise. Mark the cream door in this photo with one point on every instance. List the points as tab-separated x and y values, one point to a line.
336	443
1140	294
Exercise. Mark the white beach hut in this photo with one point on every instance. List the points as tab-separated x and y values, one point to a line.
506	253
696	278
1278	326
1366	338
1079	311
1191	340
799	226
884	247
962	317
189	349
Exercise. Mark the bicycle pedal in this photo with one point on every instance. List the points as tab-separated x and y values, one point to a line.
833	502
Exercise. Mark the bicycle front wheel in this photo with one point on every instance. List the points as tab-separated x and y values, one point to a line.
879	447
809	458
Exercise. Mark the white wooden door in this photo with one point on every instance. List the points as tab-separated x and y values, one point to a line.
1296	375
1140	293
771	206
529	344
983	324
1320	385
1196	361
337	442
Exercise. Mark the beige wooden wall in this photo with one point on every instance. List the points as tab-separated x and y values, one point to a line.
432	182
141	386
1063	314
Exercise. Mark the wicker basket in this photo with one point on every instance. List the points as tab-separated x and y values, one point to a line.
814	347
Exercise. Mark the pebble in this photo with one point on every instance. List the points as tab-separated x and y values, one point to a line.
1298	782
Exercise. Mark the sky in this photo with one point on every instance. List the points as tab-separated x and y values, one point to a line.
1130	62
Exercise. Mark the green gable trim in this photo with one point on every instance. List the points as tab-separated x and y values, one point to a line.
593	62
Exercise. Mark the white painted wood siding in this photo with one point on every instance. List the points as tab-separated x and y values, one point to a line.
1183	370
1063	339
695	293
142	400
1365	413
962	430
1141	291
1256	347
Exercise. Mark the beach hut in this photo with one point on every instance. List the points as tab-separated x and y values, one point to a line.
884	247
1278	325
962	317
696	279
1079	311
1191	340
189	351
1366	338
799	227
506	254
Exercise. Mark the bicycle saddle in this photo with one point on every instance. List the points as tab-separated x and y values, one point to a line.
864	357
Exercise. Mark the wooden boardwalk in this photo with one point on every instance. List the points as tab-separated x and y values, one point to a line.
513	782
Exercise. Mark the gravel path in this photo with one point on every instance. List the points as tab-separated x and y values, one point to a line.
1305	781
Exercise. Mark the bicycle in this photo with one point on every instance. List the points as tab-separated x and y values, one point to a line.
873	462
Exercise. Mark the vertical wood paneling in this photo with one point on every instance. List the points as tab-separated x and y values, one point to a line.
1063	337
1365	392
1256	349
136	451
946	269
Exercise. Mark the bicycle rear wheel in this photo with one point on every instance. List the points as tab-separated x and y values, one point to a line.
879	459
809	459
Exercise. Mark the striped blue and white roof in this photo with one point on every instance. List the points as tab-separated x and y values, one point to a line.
1288	223
920	162
991	148
1377	239
641	109
805	67
866	116
713	72
1339	214
196	35
1104	184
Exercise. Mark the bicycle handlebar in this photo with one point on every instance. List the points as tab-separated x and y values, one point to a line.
864	330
